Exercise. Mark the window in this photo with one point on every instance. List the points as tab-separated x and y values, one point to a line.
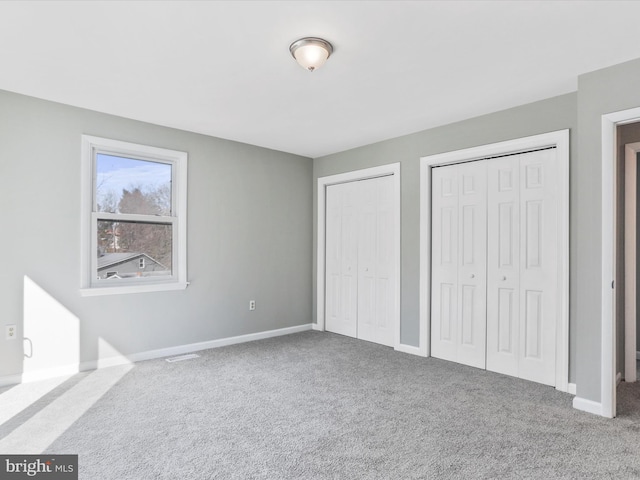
134	217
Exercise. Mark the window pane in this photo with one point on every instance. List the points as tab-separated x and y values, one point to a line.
127	185
134	249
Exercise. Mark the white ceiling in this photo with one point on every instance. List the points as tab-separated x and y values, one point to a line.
223	68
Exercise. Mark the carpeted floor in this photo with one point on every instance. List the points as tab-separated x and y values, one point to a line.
321	406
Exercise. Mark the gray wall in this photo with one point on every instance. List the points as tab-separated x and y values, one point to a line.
600	92
548	115
249	234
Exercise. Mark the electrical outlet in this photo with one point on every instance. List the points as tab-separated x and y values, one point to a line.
10	332
252	304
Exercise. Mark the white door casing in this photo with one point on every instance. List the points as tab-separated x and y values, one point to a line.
630	255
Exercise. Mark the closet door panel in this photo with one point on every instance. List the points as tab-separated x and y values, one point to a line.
444	261
385	262
472	263
376	301
367	244
341	299
538	266
503	265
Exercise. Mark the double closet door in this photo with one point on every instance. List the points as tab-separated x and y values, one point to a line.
360	260
494	264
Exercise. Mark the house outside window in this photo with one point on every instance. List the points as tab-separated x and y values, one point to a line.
134	217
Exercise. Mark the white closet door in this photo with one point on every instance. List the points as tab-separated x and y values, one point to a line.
341	300
503	265
538	266
522	266
459	248
494	264
472	270
376	262
444	263
360	299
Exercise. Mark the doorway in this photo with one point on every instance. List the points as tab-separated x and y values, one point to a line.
610	201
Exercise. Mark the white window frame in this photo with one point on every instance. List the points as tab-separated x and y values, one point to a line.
90	285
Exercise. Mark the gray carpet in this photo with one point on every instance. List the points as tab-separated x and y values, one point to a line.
322	406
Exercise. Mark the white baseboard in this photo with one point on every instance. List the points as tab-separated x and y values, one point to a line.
42	374
588	406
7	380
618	378
148	355
571	388
410	349
315	326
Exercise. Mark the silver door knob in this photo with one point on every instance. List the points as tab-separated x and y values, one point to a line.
504	278
366	269
473	276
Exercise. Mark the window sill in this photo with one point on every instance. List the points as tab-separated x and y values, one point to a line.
125	289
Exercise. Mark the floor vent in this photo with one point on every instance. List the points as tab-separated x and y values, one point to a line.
179	358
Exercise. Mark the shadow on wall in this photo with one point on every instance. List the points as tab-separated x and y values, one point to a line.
34	414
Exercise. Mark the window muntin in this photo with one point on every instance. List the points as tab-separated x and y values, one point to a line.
135	204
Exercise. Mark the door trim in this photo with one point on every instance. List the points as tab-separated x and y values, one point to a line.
631	151
558	139
364	174
608	382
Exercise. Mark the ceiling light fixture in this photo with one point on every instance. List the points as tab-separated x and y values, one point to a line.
311	52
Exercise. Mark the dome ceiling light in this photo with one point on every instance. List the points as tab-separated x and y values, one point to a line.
311	52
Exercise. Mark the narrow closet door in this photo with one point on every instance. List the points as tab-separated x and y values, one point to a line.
341	300
376	261
472	267
503	265
459	247
538	266
444	263
522	266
